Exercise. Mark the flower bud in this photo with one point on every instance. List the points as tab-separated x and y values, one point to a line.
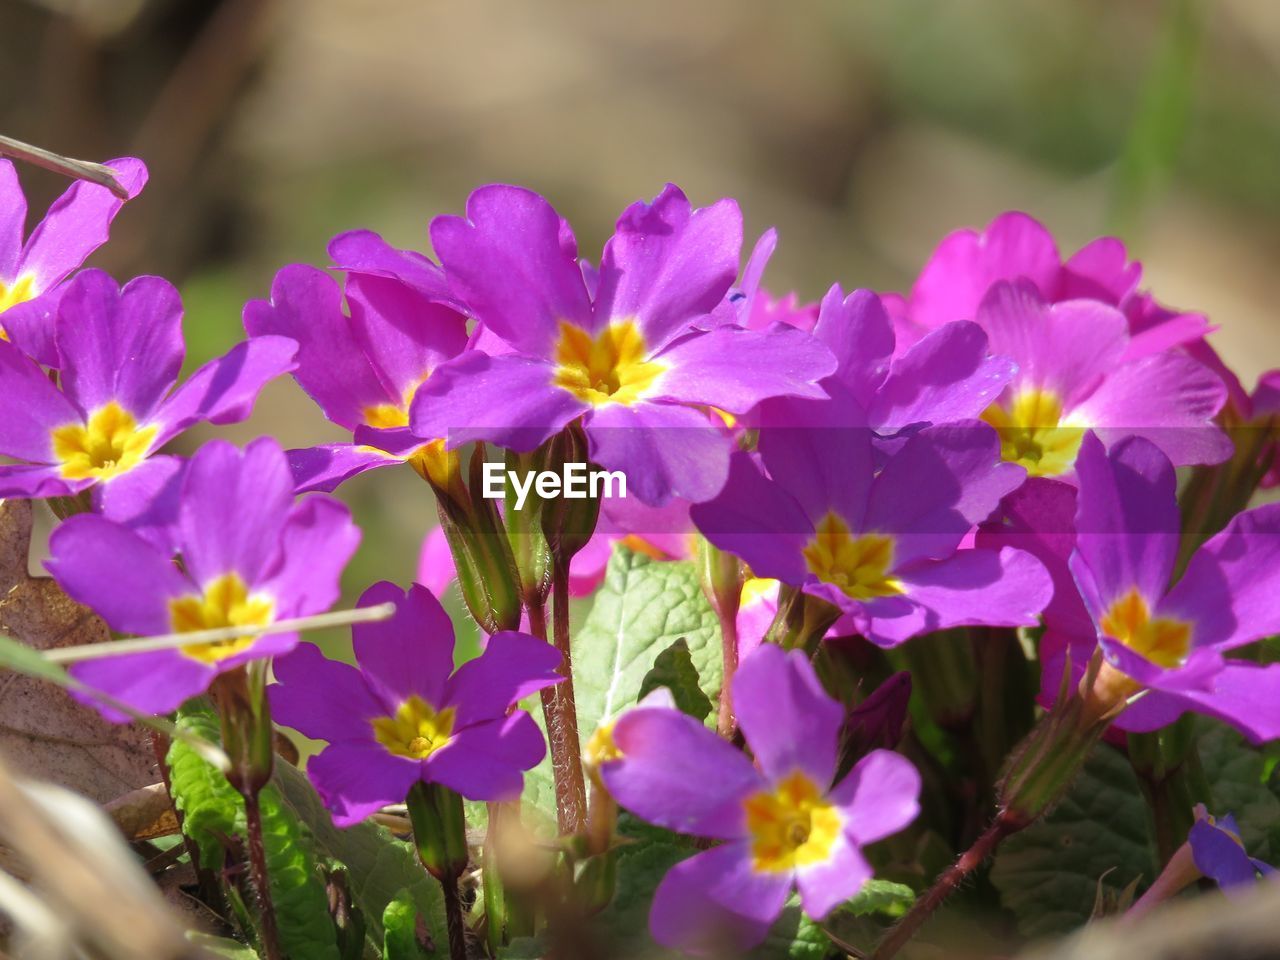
439	829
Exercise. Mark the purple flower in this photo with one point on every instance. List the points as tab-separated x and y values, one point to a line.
635	353
407	716
363	368
119	352
782	822
1219	852
31	273
948	375
249	554
1076	372
1170	642
883	546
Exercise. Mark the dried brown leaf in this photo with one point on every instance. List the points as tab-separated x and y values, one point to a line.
43	732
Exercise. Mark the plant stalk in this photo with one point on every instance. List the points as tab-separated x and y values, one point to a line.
261	877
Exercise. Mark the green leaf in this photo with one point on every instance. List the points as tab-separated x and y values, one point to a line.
301	902
879	896
1241	782
674	670
793	937
641	609
399	922
211	808
379	867
1049	874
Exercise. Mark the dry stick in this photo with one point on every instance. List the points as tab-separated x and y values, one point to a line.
76	169
170	641
944	886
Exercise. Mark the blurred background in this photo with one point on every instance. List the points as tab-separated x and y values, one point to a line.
864	131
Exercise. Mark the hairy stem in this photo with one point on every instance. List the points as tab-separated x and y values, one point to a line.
261	878
945	885
726	722
560	710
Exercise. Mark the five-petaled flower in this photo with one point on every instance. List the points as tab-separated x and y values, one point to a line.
119	352
363	367
782	821
249	556
628	349
883	545
1168	643
31	273
407	716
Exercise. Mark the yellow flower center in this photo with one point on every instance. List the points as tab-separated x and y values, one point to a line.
858	565
1032	433
608	368
432	462
1163	641
12	294
792	826
110	444
416	731
601	747
226	603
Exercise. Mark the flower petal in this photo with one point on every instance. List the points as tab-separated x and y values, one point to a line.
146	500
316	542
125	579
668	265
858	331
948	375
513	666
676	773
486	761
156	683
409	654
224	389
757	520
1231	588
33	407
507	261
735	369
123	345
326	467
665	451
77	223
13	220
829	883
1127	525
506	400
233	509
715	902
322	698
365	252
357	780
879	797
306	307
788	720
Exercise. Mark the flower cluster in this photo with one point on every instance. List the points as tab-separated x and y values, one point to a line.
990	457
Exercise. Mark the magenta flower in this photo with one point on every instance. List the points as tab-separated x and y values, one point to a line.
883	546
119	352
31	273
250	556
967	264
363	368
782	822
630	353
407	716
1170	643
1075	373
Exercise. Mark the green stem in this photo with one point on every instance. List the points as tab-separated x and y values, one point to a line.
261	876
